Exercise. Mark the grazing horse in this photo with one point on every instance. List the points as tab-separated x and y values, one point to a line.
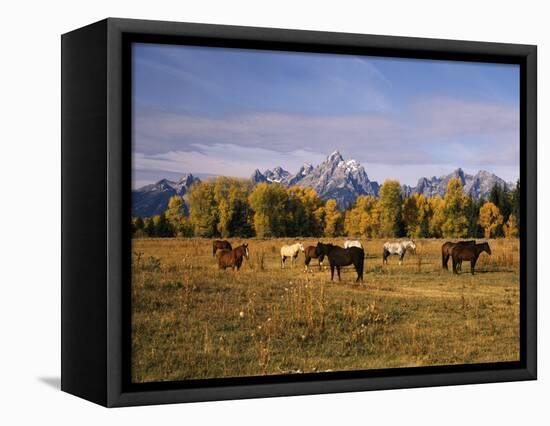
232	258
469	253
447	247
398	249
291	252
310	253
352	243
338	257
220	245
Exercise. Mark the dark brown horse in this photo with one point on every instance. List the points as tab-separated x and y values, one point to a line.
448	246
220	245
338	257
232	258
469	253
310	253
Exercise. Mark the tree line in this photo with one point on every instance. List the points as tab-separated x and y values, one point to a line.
229	207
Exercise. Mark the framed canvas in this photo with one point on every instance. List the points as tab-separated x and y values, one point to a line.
255	212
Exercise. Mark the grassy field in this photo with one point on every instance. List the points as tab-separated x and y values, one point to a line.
192	321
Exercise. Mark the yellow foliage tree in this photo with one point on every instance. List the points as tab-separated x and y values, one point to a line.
456	223
436	206
511	227
334	220
203	211
269	203
390	203
364	218
490	219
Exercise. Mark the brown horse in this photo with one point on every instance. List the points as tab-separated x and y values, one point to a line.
448	246
469	253
232	258
310	253
220	245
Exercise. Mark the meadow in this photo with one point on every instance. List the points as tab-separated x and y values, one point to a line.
193	321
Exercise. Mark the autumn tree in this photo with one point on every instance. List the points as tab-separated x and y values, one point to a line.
334	220
511	227
269	205
390	203
302	209
456	224
490	219
203	210
364	218
234	213
436	206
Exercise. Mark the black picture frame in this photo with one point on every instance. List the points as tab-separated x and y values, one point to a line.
96	153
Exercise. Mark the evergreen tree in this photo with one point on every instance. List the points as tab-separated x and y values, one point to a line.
163	227
150	228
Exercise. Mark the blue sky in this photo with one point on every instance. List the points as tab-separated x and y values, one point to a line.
213	111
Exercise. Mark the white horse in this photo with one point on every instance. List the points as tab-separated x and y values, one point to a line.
399	249
290	251
353	243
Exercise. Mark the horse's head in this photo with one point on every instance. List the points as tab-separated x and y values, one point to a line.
487	248
245	247
412	246
302	247
319	249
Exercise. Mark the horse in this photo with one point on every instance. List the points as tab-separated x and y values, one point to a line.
469	253
220	245
291	252
447	247
338	257
352	243
399	249
309	254
232	258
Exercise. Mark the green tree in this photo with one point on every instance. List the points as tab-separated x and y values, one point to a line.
150	228
203	210
163	227
391	209
269	205
516	206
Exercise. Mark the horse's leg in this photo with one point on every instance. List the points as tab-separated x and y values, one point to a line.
455	262
445	261
306	263
401	256
283	262
384	257
321	258
338	270
473	264
331	271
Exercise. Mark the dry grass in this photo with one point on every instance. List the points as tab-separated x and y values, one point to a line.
191	321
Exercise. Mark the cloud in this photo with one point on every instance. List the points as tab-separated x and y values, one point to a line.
431	131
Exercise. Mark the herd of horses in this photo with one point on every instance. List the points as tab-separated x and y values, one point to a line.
351	254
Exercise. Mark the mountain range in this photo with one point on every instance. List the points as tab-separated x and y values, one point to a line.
336	178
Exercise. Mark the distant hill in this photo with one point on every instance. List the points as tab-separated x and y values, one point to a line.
342	180
153	199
